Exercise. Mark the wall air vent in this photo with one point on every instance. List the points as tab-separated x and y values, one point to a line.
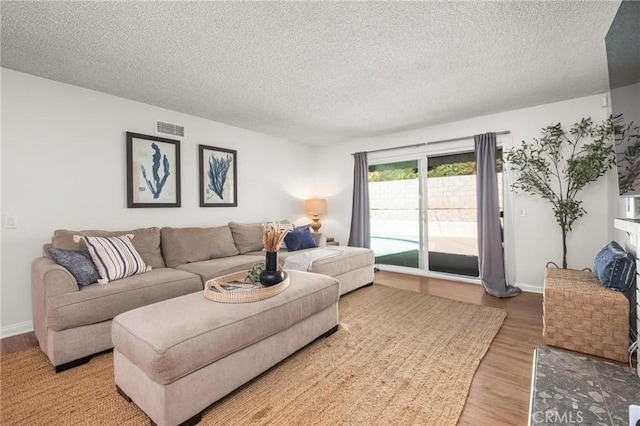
169	129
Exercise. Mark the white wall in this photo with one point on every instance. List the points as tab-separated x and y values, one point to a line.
63	166
536	237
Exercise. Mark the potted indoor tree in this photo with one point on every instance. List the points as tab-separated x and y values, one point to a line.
560	164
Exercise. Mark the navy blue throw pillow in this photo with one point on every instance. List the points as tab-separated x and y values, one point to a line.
79	263
614	267
299	239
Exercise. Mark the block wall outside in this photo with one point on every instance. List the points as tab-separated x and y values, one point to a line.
452	209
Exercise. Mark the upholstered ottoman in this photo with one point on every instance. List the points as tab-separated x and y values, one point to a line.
177	357
583	316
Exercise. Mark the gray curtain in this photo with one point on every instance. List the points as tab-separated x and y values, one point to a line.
490	254
360	235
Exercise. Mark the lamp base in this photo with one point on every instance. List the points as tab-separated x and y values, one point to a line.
315	225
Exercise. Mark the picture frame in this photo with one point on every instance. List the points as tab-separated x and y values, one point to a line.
153	171
218	177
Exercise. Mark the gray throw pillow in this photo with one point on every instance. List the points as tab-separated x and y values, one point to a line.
78	262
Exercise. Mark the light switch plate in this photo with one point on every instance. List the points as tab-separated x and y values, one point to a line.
10	222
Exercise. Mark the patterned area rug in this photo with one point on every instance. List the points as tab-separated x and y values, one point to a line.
398	358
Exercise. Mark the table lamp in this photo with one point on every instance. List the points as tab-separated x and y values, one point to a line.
315	207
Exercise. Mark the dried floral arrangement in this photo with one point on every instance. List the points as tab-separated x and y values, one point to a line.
273	236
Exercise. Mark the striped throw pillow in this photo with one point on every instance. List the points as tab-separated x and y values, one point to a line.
115	257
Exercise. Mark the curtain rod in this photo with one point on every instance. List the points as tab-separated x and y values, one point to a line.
503	132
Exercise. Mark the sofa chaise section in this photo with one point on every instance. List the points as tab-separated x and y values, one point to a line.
353	267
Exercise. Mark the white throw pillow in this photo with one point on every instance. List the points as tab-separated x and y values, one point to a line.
115	257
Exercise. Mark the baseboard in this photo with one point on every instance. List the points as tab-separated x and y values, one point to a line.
423	273
15	329
530	288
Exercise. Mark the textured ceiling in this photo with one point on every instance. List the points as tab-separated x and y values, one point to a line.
317	72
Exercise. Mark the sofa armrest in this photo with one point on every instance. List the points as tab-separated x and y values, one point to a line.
48	279
51	279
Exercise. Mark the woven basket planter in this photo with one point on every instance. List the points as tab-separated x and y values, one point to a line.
583	316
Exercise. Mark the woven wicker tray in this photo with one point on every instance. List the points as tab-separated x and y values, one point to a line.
213	289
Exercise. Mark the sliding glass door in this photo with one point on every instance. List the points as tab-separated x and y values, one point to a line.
452	214
396	213
424	213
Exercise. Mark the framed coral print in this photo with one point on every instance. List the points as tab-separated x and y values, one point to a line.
153	171
218	177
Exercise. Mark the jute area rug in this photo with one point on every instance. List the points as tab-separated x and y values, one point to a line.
398	358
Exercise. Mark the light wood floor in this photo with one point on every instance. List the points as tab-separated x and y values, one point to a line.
501	388
500	391
18	343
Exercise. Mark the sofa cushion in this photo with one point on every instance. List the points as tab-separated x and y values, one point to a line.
614	267
97	303
78	262
145	240
213	268
186	245
350	259
247	236
201	332
300	239
115	257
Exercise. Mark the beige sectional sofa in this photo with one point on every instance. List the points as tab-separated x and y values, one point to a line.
72	323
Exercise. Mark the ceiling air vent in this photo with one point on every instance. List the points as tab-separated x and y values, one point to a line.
169	129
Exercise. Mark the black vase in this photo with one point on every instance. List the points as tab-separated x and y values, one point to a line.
270	275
